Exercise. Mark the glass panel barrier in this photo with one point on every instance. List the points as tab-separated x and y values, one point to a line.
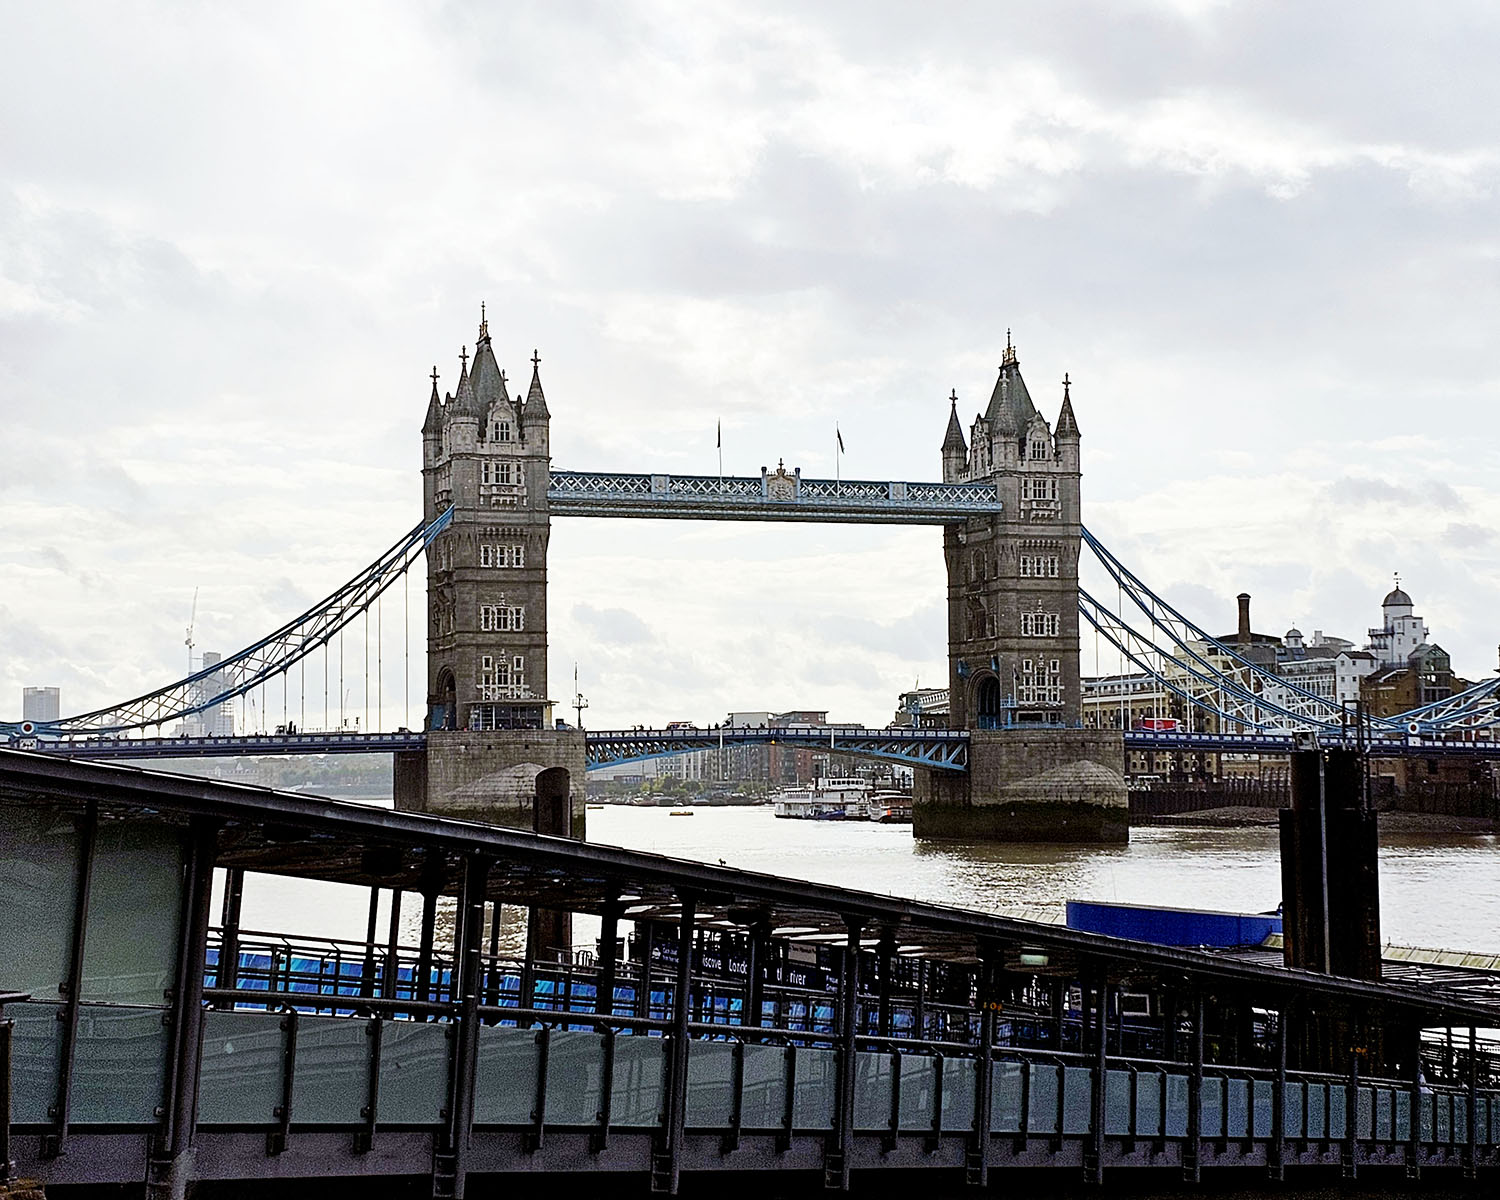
1078	1099
1005	1098
873	1072
135	905
1364	1113
332	1074
1211	1108
763	1101
119	1065
1175	1121
1262	1108
817	1080
1292	1101
1117	1088
1148	1089
959	1075
1317	1111
918	1091
1046	1089
575	1072
240	1079
710	1085
413	1073
505	1081
639	1095
1401	1125
1237	1108
36	1048
1338	1127
38	890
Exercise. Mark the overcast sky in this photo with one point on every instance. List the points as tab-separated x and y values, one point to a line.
234	240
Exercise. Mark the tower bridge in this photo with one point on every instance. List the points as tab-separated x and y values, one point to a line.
1015	761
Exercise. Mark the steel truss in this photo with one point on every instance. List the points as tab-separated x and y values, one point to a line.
933	749
1216	679
774	496
271	656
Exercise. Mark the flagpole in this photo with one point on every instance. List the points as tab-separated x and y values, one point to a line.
719	442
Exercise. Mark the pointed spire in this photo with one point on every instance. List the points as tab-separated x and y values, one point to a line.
484	324
464	403
434	422
1011	410
954	439
1067	424
536	402
487	377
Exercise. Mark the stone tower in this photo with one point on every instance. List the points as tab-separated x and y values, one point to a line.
1035	774
487	455
490	730
1013	580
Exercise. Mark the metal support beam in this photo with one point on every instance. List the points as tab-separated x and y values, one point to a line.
367	969
666	1163
1193	1147
978	1167
841	1142
88	834
1094	1160
450	1168
392	973
227	974
609	937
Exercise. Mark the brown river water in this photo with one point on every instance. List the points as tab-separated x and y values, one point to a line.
1436	890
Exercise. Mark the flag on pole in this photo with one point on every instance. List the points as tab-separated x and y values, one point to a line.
840	437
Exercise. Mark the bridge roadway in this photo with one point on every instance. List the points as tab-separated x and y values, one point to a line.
932	749
751	1023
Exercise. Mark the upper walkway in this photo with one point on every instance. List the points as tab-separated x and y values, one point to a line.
723	1022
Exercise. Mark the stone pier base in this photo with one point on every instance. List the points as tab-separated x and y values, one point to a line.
491	777
1029	785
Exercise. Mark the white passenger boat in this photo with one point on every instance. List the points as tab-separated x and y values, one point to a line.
889	808
841	799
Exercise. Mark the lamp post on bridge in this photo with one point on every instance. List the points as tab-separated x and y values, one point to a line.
579	701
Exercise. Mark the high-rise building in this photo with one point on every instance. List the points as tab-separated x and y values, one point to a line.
41	704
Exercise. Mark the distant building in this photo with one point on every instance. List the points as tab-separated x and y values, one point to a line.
41	704
217	721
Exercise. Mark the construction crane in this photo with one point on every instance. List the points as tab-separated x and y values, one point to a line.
192	620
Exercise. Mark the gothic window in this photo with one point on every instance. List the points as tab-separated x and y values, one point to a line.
1039	487
1038	449
491	555
1039	682
1039	624
500	431
501	617
1039	566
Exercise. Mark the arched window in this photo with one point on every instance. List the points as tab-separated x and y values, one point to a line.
987	703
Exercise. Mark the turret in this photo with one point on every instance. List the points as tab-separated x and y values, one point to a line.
492	402
1010	411
432	427
536	418
955	451
1067	435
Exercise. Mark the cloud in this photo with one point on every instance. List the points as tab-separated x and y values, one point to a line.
232	245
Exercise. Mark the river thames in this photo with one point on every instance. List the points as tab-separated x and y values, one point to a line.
1436	890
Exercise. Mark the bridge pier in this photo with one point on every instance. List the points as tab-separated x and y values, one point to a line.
1029	785
491	776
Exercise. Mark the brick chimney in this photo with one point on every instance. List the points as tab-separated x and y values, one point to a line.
1244	599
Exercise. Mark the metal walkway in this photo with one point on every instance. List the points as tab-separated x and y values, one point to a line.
743	1023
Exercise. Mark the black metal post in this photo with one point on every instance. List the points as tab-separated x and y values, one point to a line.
836	1160
647	941
884	953
228	973
1277	1165
7	1044
755	973
1058	990
1471	1151
1190	1169
978	1173
919	1008
492	993
423	981
666	1164
179	1124
609	936
453	1164
393	948
52	1143
1101	1077
367	969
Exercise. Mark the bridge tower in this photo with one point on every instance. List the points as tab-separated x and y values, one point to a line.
1035	774
489	719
